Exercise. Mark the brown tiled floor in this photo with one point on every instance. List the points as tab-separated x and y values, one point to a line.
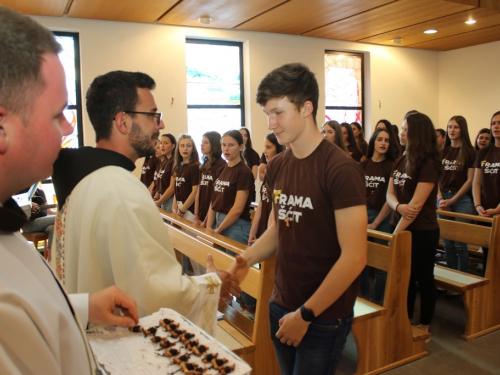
448	352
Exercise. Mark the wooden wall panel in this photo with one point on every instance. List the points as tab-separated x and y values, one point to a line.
389	17
120	10
297	17
53	8
446	26
225	14
473	38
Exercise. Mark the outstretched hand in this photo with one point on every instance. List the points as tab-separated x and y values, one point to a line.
239	268
230	283
103	303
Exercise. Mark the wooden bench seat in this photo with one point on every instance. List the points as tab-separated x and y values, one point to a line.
384	336
480	294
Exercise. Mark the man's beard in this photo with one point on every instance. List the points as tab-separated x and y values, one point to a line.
142	144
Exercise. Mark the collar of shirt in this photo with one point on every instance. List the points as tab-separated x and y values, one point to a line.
12	217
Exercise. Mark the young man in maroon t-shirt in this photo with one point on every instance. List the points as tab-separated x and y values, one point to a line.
318	229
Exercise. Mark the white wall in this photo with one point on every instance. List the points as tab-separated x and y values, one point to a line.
399	78
469	85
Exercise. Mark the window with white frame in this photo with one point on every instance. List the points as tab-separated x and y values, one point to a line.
344	86
70	58
214	78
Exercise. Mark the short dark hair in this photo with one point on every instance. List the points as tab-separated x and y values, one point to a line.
442	132
22	44
112	93
295	81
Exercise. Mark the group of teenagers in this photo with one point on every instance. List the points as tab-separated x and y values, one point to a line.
111	247
409	176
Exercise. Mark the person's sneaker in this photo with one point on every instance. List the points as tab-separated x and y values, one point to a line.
426	329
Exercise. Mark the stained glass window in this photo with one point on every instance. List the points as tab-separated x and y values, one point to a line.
344	86
214	78
70	58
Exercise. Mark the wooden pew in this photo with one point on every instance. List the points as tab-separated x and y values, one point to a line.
384	336
249	340
480	295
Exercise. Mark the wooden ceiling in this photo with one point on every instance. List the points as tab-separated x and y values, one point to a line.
367	21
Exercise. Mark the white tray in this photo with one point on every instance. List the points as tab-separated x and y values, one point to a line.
123	352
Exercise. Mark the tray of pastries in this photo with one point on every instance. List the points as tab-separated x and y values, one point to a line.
163	343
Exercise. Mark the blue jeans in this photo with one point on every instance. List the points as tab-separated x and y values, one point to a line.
319	351
167	205
42	224
380	275
457	255
238	231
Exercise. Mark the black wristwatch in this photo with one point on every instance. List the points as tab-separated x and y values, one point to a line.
307	314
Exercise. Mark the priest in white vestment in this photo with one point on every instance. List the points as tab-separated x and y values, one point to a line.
108	230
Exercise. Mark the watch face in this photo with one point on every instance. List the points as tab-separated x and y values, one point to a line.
307	314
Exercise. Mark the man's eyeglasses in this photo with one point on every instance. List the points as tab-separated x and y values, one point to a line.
157	115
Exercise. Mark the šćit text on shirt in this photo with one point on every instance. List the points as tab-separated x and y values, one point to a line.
490	168
288	205
400	178
374	181
179	181
219	185
450	165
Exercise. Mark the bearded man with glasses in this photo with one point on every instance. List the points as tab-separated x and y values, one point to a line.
108	230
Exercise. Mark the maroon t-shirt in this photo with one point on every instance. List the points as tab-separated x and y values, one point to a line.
488	160
354	152
363	146
405	186
377	175
229	181
207	178
266	202
164	174
251	158
148	170
453	178
305	194
188	177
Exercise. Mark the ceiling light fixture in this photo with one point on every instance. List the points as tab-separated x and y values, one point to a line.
430	31
205	20
397	40
470	22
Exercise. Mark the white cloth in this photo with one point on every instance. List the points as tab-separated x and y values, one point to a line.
38	332
109	232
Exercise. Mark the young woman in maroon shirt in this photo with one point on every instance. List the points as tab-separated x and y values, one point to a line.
412	195
455	184
212	162
261	217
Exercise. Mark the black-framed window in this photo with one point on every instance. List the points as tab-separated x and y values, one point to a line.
344	86
215	92
70	58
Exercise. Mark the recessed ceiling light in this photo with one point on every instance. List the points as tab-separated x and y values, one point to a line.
470	22
431	31
205	20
